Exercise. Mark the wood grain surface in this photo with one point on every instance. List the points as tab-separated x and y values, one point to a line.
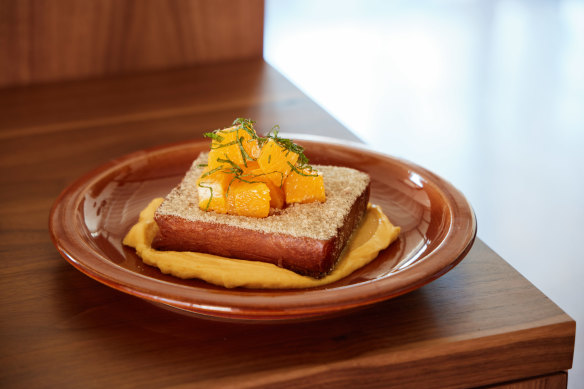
481	324
552	381
47	40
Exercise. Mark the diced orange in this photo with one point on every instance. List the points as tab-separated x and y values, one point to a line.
250	143
251	166
212	188
252	148
243	178
306	187
277	198
248	199
275	161
236	145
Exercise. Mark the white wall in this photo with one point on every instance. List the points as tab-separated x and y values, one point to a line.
488	94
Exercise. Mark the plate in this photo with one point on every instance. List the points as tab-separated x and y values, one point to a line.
90	218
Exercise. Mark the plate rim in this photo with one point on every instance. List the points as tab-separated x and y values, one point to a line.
280	307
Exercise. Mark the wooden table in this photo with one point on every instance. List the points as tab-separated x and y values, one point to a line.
482	324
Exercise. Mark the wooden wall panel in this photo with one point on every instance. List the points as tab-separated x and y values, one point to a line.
55	40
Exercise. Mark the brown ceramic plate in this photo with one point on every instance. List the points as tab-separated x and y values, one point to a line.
90	218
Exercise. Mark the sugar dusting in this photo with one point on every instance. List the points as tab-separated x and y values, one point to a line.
315	220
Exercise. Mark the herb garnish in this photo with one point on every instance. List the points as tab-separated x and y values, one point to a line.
210	196
289	145
213	135
247	125
234	168
212	171
298	171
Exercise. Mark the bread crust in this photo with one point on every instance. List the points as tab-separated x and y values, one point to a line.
303	255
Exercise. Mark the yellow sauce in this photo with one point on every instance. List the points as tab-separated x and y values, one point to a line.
375	234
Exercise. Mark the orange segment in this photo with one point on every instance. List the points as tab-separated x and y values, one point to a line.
251	166
274	161
243	178
304	187
248	199
250	142
277	197
212	188
252	148
232	144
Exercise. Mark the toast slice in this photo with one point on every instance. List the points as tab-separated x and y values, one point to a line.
305	238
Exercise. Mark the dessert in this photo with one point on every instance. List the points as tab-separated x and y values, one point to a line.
255	203
306	238
373	235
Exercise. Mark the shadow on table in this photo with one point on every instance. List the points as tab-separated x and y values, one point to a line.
120	323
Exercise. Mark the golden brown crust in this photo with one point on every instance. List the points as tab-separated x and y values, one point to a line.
304	255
